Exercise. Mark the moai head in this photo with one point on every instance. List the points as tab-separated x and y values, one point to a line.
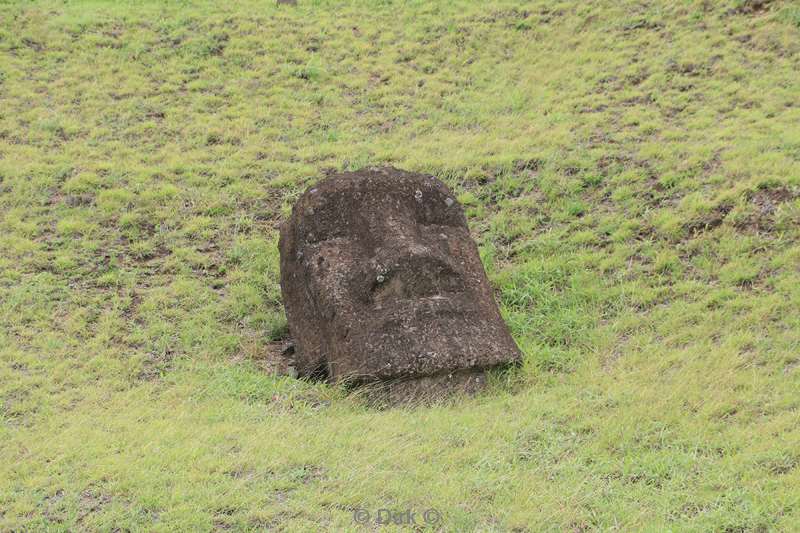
381	281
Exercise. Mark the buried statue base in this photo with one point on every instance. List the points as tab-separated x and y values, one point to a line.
425	389
383	285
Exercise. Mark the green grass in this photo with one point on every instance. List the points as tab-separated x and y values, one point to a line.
631	173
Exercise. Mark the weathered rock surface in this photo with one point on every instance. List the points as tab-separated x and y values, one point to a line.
382	282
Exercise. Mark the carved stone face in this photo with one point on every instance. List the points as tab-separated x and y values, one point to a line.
381	280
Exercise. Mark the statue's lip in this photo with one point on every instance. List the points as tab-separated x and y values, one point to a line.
415	314
437	303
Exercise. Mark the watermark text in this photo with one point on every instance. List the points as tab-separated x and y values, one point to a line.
400	517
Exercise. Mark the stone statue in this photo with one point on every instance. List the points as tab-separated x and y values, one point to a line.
381	282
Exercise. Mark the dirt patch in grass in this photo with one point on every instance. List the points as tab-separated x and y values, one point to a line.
751	7
710	220
155	365
763	206
768	200
276	358
91	502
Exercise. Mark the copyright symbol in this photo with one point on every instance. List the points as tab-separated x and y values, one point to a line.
432	516
360	516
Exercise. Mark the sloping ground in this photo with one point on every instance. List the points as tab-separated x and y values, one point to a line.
632	175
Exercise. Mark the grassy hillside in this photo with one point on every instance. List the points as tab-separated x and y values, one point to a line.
632	175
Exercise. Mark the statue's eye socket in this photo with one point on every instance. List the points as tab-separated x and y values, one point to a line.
320	224
326	222
314	237
437	209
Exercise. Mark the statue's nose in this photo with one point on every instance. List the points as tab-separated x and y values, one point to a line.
415	273
399	239
396	229
408	266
